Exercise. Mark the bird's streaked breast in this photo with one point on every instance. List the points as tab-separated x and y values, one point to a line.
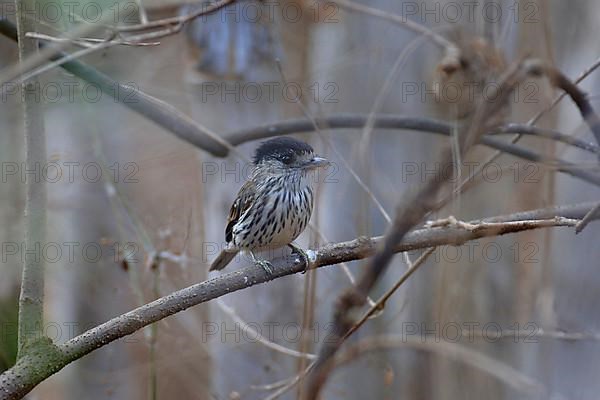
279	217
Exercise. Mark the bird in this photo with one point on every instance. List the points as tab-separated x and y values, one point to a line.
275	204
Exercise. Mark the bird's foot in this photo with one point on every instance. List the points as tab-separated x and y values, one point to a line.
266	265
298	251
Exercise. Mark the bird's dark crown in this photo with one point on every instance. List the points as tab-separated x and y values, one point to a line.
284	149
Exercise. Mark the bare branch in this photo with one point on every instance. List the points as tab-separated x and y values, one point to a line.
17	381
425	125
87	42
525	129
378	307
593	213
39	57
142	12
179	20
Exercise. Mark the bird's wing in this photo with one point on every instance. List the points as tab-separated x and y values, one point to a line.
242	203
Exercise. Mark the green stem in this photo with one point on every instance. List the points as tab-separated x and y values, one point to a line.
31	299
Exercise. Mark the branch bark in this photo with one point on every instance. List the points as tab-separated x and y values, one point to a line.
428	125
391	121
50	358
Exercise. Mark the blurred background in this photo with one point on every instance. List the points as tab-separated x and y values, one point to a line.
128	189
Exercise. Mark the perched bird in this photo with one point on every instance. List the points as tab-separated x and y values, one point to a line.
275	205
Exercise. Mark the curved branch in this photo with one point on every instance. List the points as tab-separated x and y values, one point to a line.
427	125
525	129
34	368
391	121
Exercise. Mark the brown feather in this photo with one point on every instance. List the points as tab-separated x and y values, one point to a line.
242	203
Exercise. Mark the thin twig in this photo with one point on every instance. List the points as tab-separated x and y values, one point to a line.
292	382
142	12
525	129
380	304
251	332
178	20
344	266
39	58
41	36
591	215
398	19
62	60
87	42
367	130
347	165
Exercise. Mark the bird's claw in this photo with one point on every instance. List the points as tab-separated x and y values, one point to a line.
298	251
265	265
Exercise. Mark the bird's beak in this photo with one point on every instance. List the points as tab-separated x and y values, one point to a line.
317	162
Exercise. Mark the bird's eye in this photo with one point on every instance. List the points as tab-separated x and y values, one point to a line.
286	158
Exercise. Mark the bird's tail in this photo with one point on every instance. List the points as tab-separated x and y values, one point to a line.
222	260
